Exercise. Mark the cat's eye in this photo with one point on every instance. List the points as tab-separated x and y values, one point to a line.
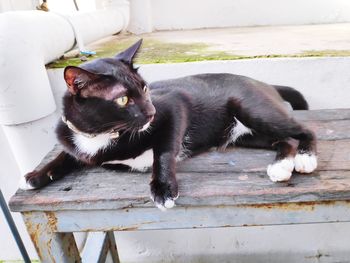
122	101
145	89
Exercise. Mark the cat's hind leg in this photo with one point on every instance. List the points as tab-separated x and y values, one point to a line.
282	168
295	152
54	170
305	160
300	156
276	127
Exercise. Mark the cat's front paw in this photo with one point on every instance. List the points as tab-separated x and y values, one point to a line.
34	180
164	194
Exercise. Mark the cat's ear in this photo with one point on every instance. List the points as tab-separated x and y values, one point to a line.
128	54
77	78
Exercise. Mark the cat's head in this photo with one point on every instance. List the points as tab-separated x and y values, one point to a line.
108	94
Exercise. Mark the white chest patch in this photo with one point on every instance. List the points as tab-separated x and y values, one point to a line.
141	163
91	146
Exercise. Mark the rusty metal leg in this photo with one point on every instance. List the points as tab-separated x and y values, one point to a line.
50	245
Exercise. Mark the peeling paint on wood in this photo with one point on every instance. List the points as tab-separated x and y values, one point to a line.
51	219
50	245
202	216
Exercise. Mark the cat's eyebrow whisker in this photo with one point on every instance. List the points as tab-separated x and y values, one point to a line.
114	124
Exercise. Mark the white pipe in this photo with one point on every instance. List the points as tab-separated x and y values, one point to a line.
28	41
31	39
91	26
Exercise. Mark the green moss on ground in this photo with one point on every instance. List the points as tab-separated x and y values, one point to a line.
17	261
155	51
152	51
325	53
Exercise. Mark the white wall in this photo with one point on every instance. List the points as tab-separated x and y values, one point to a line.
12	5
41	138
325	82
9	177
148	15
269	244
60	6
319	79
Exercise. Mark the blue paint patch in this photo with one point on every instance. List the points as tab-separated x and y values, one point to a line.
215	155
232	163
87	52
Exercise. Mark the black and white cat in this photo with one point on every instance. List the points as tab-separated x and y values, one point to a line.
113	118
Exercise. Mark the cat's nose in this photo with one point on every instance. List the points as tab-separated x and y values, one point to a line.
149	117
149	111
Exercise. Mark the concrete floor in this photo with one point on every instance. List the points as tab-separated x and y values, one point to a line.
225	44
264	40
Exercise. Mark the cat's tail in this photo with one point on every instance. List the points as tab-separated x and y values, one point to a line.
294	97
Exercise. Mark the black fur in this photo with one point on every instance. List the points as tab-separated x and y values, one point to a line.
195	112
294	97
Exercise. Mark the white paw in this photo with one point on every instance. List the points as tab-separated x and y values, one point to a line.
305	162
281	170
24	185
169	203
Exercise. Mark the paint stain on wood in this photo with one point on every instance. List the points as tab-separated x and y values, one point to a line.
243	177
300	206
52	221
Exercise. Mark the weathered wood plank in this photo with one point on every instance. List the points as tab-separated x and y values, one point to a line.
202	217
323	115
87	191
330	130
237	176
332	155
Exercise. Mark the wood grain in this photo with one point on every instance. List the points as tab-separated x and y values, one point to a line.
235	177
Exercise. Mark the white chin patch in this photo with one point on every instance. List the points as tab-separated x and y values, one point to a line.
305	162
281	170
169	203
145	127
24	185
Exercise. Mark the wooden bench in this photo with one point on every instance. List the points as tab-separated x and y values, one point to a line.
216	190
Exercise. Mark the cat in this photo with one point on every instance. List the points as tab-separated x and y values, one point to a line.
113	118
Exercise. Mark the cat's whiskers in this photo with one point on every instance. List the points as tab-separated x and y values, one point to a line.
133	133
126	131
